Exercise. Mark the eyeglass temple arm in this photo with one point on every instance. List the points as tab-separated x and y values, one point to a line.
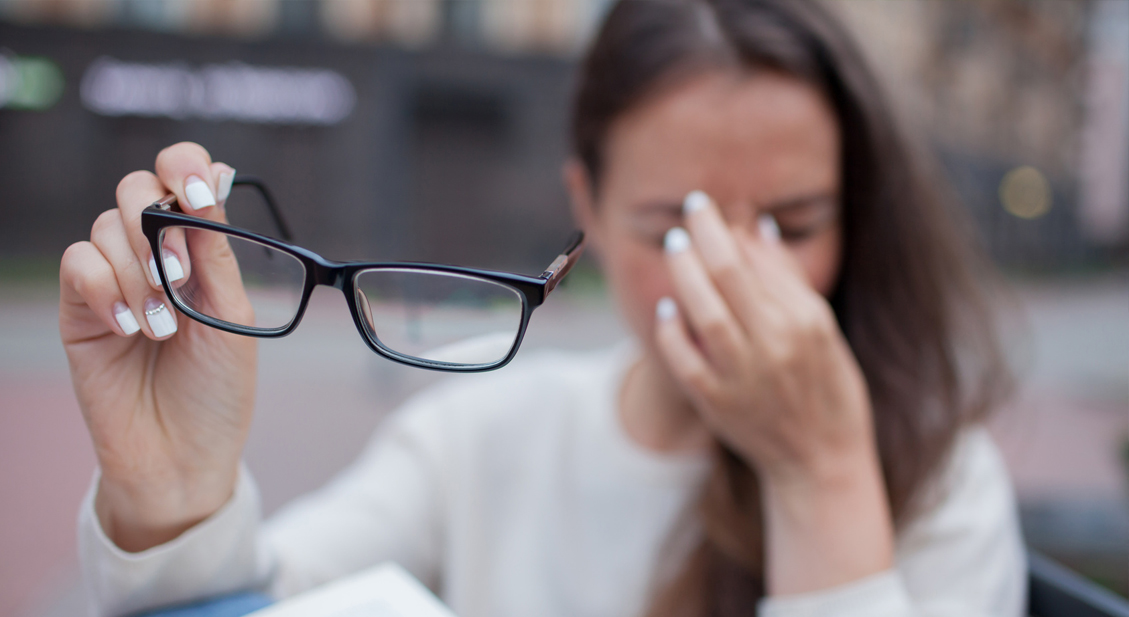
275	213
167	202
564	262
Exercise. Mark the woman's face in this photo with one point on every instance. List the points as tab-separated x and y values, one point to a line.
761	144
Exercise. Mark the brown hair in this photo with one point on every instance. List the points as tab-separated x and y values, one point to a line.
907	299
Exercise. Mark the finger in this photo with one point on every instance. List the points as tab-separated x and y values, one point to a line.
769	258
791	303
176	258
224	176
135	193
705	310
87	280
682	356
145	305
186	169
722	256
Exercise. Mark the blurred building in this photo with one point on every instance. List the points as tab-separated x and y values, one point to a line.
389	129
1027	106
459	114
510	25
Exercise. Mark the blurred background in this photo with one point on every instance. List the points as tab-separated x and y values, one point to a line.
435	130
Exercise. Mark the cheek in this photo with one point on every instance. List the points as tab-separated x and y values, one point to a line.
637	278
820	258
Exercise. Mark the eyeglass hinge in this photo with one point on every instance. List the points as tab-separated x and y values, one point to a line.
552	273
166	202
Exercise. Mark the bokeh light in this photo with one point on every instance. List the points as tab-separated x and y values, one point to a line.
1025	192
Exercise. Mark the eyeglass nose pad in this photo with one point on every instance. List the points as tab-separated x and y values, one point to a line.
362	302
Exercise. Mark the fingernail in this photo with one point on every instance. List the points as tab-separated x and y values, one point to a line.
198	194
768	228
125	318
153	271
224	188
160	318
666	309
676	240
173	269
695	200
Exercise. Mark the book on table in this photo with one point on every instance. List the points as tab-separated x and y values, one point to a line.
386	590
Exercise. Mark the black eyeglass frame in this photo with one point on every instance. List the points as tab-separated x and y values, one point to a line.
532	290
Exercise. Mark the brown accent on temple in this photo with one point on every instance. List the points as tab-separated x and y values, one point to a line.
563	263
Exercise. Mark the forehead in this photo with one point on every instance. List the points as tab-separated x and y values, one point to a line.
751	138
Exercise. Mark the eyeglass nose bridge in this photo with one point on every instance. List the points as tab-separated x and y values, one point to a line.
330	274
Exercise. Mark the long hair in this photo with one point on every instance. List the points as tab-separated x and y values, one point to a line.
908	299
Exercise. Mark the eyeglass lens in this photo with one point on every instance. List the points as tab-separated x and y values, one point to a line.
439	317
236	280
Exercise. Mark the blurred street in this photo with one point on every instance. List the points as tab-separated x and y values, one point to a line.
322	392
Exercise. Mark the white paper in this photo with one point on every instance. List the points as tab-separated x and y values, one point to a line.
383	591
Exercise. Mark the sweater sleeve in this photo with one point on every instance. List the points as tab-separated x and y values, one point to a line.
963	557
215	557
384	507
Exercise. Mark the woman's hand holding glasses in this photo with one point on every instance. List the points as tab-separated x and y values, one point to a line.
167	447
169	408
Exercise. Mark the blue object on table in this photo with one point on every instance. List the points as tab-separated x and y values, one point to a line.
234	605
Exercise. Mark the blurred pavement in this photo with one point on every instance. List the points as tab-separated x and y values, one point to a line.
322	392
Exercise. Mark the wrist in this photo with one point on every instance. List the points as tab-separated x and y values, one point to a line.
827	472
137	515
827	525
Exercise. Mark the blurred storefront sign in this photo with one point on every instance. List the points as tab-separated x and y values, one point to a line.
32	83
373	151
232	91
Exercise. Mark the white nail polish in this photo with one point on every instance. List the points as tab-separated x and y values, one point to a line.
224	187
676	240
173	270
769	230
666	309
198	194
125	318
695	200
153	271
160	318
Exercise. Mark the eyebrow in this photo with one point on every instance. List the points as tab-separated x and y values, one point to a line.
795	203
789	203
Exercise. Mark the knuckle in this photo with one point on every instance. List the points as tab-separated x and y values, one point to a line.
184	149
133	180
72	257
715	328
698	379
800	326
91	276
814	324
104	223
782	354
727	271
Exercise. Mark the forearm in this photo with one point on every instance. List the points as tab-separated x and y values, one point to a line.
828	527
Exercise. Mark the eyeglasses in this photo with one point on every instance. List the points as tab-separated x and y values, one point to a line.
433	316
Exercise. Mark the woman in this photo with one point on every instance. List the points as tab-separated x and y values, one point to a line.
794	430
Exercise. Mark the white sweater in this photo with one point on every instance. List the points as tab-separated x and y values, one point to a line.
518	494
